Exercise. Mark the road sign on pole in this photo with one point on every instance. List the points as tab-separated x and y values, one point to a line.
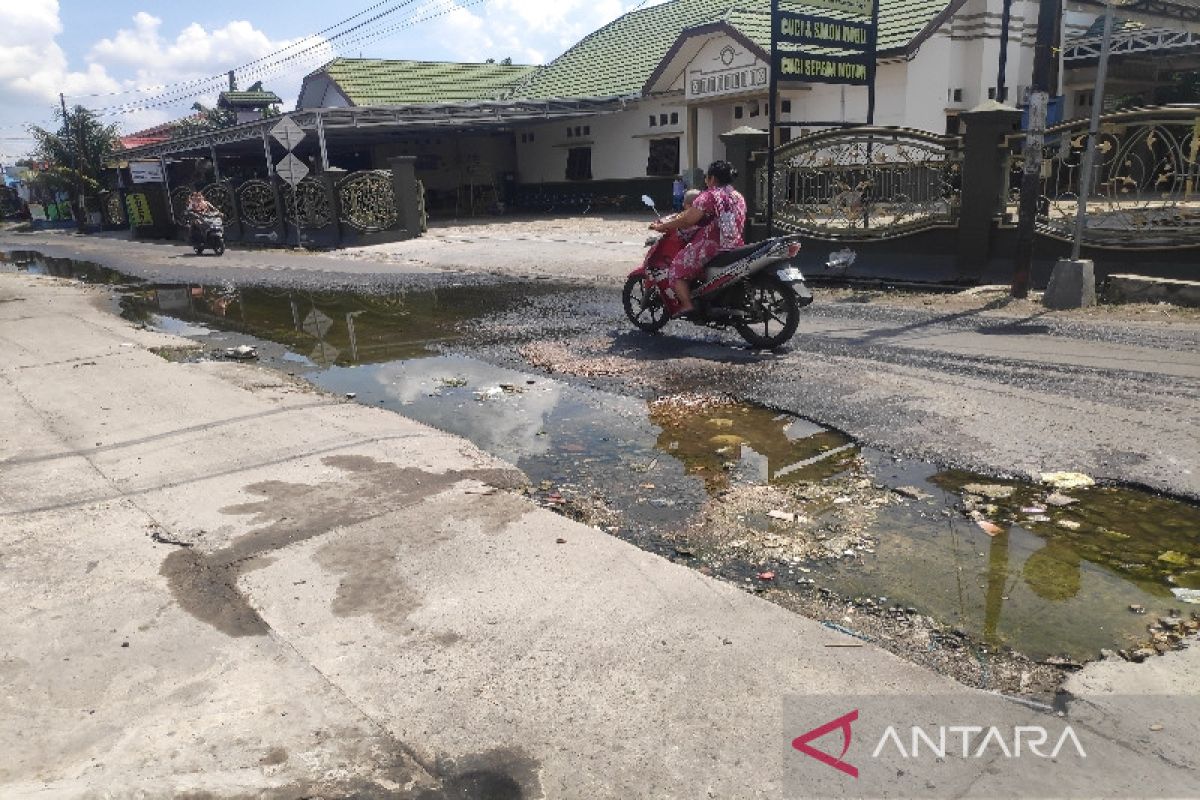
288	134
291	170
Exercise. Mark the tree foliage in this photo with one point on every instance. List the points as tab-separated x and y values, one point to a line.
76	152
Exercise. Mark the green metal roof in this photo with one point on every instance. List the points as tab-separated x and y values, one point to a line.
618	58
251	99
378	82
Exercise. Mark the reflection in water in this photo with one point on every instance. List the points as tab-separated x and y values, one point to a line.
768	447
329	328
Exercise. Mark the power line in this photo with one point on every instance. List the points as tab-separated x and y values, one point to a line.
200	81
275	66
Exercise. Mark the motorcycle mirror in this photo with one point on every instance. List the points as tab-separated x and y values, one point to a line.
647	201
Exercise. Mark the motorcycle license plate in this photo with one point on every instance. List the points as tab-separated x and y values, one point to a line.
790	274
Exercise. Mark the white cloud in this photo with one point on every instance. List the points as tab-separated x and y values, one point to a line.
140	54
528	31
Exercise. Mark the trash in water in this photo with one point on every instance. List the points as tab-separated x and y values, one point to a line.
489	393
1187	595
766	576
1033	510
1069	524
912	493
992	491
1060	500
782	516
1067	480
242	351
990	528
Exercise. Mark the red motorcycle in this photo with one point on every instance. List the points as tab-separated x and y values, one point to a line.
758	290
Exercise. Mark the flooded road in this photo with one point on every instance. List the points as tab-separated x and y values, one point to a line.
735	489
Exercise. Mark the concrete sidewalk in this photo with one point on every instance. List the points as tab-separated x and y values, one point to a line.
218	581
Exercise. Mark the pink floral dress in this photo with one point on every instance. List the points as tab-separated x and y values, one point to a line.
720	229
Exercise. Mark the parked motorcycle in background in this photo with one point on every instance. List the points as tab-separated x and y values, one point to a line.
208	231
758	290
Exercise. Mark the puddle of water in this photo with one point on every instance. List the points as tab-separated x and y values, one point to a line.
1042	588
1038	587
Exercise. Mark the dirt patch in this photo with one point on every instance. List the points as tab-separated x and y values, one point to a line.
581	358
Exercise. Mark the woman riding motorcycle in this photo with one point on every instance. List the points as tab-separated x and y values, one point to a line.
720	214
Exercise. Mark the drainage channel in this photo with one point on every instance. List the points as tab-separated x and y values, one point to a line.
989	580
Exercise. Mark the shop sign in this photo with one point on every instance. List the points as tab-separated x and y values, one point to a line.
806	29
800	67
733	71
146	171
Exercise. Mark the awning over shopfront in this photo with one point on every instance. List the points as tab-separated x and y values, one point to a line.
364	126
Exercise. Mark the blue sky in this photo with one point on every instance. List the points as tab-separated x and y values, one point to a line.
110	56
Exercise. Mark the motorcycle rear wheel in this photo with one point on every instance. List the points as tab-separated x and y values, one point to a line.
772	314
643	306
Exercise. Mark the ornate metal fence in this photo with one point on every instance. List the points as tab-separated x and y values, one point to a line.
1146	183
221	196
368	201
312	200
257	201
113	209
865	183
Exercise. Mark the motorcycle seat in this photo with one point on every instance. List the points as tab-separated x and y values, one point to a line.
727	257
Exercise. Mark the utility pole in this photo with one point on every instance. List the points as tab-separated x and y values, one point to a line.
1005	22
1035	136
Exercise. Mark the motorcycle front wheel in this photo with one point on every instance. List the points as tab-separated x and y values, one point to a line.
772	314
219	248
643	306
199	248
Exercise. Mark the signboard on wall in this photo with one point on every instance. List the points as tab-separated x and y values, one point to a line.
146	171
731	70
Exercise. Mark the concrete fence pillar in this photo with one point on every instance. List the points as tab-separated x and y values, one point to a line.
404	184
741	145
983	182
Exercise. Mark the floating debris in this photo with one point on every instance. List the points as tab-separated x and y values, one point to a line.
243	352
1067	480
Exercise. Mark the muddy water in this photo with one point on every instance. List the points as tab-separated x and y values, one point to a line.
1051	580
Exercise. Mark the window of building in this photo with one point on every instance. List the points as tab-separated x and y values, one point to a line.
653	120
952	124
531	136
662	119
1084	98
579	130
737	112
674	117
991	93
664	157
958	95
785	106
785	135
568	133
587	130
753	108
579	164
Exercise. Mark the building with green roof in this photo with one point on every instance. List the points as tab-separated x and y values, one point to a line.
347	82
676	76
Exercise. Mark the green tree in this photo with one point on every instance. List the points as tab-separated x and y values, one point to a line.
206	118
76	153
